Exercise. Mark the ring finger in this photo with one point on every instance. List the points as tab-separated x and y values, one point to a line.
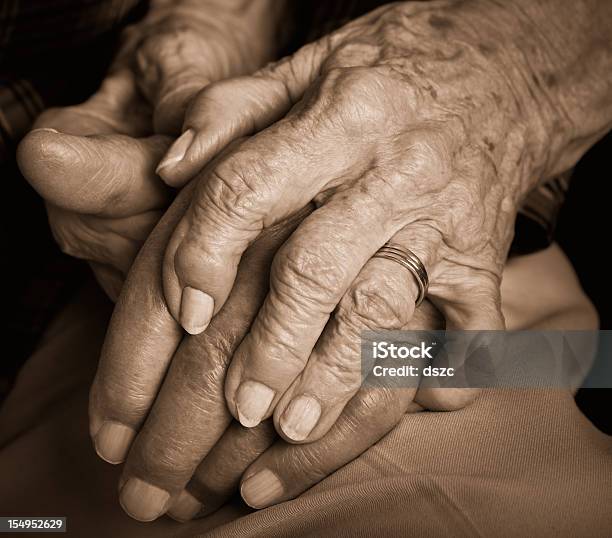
382	297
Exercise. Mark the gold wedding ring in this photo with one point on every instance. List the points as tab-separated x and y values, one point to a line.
409	260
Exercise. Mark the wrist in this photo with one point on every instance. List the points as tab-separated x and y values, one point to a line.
560	55
490	42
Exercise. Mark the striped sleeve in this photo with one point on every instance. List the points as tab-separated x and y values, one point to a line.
20	104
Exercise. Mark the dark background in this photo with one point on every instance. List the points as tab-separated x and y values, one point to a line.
583	232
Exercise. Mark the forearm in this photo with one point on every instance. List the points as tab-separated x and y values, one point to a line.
570	54
560	56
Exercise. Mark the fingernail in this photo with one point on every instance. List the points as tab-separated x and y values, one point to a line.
252	402
300	417
113	441
143	501
262	489
185	507
177	151
196	310
48	129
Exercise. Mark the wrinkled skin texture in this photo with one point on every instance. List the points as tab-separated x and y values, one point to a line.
179	432
402	126
95	167
123	130
167	388
144	336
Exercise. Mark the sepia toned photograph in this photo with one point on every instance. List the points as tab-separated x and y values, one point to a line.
306	268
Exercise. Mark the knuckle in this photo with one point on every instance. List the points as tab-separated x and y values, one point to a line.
204	102
122	398
230	195
215	93
465	213
218	343
162	61
352	53
350	93
160	460
155	45
294	68
374	411
307	273
306	462
164	47
373	305
427	156
482	287
283	346
206	357
349	81
363	96
341	374
213	97
191	255
73	237
474	298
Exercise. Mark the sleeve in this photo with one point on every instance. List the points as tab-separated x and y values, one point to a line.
20	104
536	220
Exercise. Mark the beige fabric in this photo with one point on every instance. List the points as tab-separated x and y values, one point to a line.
516	463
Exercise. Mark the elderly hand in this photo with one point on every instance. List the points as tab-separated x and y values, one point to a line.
158	398
413	124
95	167
97	174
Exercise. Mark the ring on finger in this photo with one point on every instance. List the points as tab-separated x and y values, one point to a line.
409	260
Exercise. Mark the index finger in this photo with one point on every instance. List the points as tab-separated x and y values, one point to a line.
140	342
252	188
246	192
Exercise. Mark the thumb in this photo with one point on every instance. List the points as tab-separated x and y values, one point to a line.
171	68
230	109
116	107
473	314
108	175
180	51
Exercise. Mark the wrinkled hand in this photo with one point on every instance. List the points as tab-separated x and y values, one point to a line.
103	195
95	167
182	45
403	126
158	398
